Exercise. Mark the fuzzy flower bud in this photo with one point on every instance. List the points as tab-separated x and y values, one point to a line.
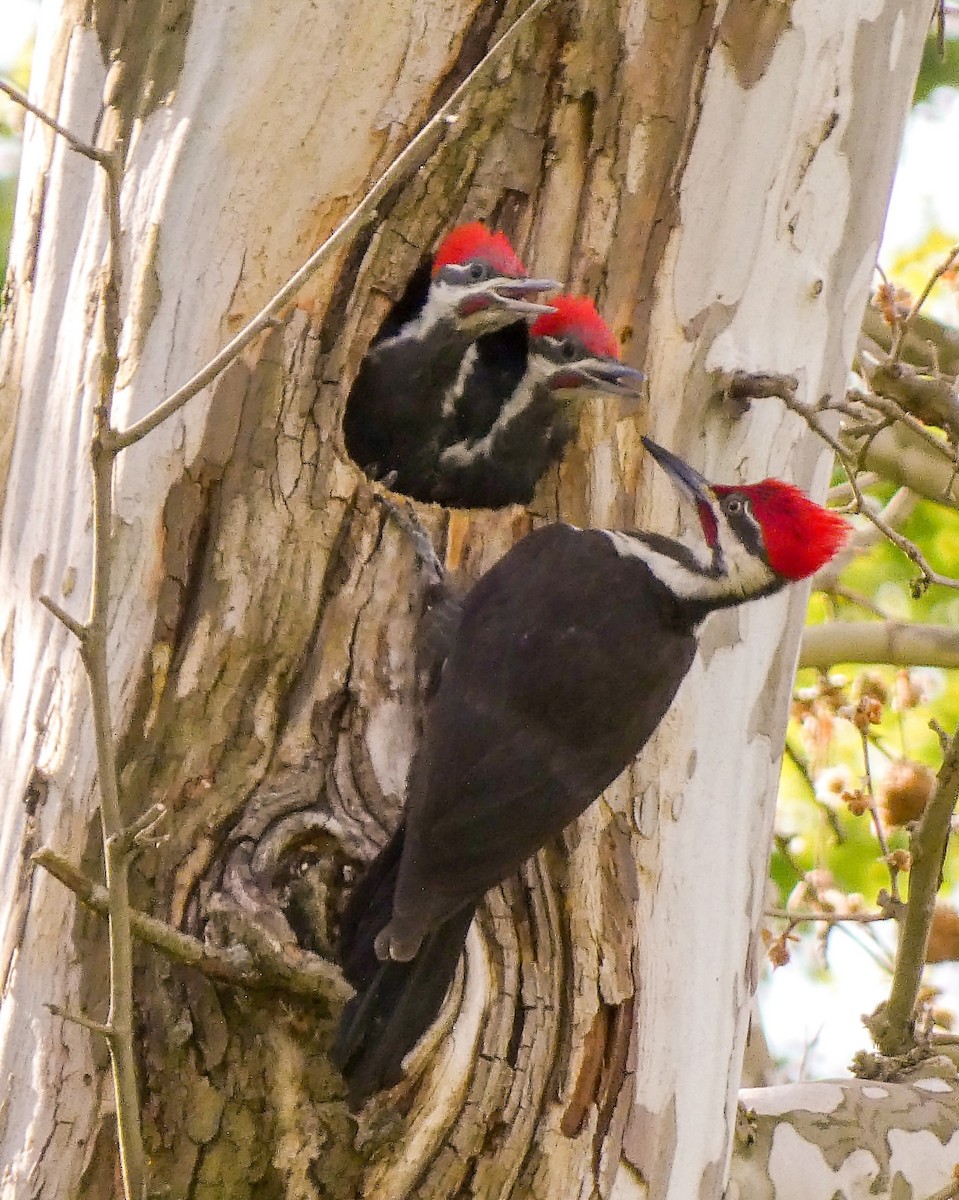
904	791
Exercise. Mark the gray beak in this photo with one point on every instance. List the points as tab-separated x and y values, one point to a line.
602	376
513	294
689	483
692	487
610	375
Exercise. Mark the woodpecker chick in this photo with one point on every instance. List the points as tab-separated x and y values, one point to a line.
407	383
564	659
511	430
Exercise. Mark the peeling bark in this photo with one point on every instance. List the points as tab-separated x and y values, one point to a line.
721	192
846	1138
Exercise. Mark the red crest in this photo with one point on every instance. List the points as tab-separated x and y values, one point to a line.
468	242
576	316
800	535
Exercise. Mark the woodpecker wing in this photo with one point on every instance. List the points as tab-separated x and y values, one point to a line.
550	690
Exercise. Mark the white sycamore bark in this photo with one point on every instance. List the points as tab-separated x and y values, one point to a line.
717	176
849	1138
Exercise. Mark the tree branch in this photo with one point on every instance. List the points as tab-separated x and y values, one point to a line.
825	918
927	343
79	1019
92	152
918	397
898	643
888	384
901	456
810	415
892	1025
94	651
903	327
78	630
305	975
403	165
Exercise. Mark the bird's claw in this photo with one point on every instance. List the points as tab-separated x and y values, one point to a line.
405	517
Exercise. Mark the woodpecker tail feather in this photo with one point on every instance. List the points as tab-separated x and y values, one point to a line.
368	909
391	1012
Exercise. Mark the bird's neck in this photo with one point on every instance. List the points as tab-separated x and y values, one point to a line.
435	325
703	578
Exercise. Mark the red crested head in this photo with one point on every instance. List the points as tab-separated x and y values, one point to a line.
576	316
800	535
474	241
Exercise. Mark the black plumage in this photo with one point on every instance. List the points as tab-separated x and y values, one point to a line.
550	689
560	664
401	410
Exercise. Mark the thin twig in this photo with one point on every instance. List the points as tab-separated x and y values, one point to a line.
911	551
78	630
303	974
841	493
872	946
877	823
828	812
893	411
93	637
79	1019
81	147
921	299
857	599
893	1024
94	648
806	916
405	163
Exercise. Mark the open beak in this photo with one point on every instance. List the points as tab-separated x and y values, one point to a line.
515	294
691	486
606	375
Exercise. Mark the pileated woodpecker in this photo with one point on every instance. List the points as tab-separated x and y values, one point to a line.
407	385
566	655
516	415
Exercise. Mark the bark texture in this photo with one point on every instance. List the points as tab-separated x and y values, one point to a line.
846	1138
716	174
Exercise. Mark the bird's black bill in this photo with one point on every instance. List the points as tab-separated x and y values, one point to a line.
690	485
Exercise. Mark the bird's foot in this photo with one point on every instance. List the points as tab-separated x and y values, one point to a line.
405	517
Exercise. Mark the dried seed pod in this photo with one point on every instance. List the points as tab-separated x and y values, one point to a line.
943	935
899	860
893	302
870	685
904	791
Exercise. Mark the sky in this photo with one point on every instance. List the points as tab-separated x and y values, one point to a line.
925	194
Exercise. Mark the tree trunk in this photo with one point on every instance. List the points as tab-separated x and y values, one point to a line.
716	175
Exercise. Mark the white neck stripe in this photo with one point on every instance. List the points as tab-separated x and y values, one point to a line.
740	574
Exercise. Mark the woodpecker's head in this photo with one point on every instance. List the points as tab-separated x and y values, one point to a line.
572	351
760	536
479	283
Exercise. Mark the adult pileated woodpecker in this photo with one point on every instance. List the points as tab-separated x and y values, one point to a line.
565	658
512	422
408	383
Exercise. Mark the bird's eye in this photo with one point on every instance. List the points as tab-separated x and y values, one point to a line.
734	505
477	271
568	349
